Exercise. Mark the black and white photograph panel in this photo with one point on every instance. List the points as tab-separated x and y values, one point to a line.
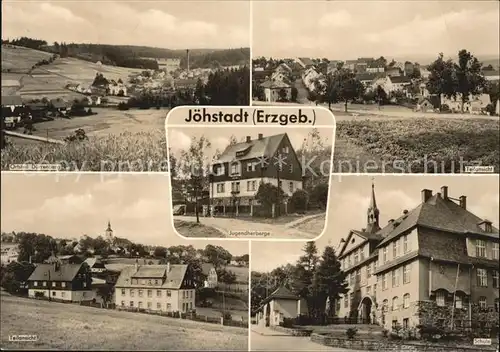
89	262
412	88
91	78
406	263
250	182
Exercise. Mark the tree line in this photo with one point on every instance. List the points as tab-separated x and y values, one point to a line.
317	279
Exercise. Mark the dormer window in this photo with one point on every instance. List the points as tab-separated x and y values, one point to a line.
486	226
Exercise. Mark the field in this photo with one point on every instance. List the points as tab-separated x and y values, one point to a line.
21	59
404	145
71	327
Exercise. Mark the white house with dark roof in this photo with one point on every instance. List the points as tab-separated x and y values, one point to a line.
277	89
279	305
242	167
421	266
211	273
166	288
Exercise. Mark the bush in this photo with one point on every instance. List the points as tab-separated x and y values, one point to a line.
299	200
445	108
490	109
351	333
123	106
288	323
385	333
319	194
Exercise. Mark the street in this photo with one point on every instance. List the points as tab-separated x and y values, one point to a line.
239	228
259	342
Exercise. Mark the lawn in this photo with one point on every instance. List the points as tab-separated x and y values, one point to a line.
72	327
193	229
314	226
405	145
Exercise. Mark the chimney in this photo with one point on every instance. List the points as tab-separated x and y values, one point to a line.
444	192
390	221
426	194
249	139
463	202
261	136
168	267
405	212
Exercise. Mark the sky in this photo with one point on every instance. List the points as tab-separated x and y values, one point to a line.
71	205
219	137
393	29
166	24
350	198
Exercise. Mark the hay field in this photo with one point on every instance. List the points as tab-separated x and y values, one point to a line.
21	59
72	327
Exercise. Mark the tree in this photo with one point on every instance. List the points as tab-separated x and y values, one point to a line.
106	292
282	95
160	252
299	200
226	276
319	194
331	280
267	195
470	79
217	255
442	79
415	74
381	95
15	275
340	86
304	277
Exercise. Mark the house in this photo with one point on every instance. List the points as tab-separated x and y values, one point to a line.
279	76
367	79
391	84
475	104
424	104
310	77
492	76
117	89
422	265
166	288
478	103
211	274
37	110
11	102
393	72
304	62
277	90
409	68
283	68
8	254
64	259
59	106
96	265
280	304
65	282
242	167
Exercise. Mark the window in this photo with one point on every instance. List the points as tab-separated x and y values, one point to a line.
458	301
45	283
440	298
483	303
131	303
351	297
123	303
235	169
190	305
63	294
281	184
251	166
496	305
54	293
482	277
358	275
140	305
169	293
158	293
285	150
63	284
406	274
169	306
349	260
375	265
235	186
150	293
351	278
495	279
406	323
219	170
123	292
384	254
374	290
140	293
406	248
368	270
368	290
150	305
480	248
346	301
356	256
220	188
53	284
385	305
395	303
395	278
290	168
395	248
132	293
35	283
150	282
84	284
495	251
384	282
406	300
156	282
251	185
291	187
362	254
158	305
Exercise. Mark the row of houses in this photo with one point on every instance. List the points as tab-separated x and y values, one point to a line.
434	265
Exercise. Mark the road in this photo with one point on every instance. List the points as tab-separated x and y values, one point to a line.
260	342
242	228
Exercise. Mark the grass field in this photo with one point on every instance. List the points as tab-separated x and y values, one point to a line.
19	58
193	229
71	327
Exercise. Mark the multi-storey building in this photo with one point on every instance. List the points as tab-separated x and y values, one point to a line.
66	282
242	167
434	265
167	288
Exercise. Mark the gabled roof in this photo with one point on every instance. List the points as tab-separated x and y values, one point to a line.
48	272
173	279
306	61
367	236
281	293
366	76
400	79
266	146
206	267
95	262
278	84
440	214
12	100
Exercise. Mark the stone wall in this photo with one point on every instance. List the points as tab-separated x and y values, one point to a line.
388	345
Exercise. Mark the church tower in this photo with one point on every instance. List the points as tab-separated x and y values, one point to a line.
373	214
109	233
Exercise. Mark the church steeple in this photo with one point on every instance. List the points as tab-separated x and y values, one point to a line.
109	232
373	213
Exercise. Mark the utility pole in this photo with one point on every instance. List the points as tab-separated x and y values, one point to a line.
49	283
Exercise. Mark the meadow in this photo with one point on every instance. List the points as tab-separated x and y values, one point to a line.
20	59
73	327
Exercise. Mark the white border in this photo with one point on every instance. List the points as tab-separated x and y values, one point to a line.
251	56
334	127
250	295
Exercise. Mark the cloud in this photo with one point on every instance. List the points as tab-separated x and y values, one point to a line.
148	209
280	25
59	13
179	140
336	19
